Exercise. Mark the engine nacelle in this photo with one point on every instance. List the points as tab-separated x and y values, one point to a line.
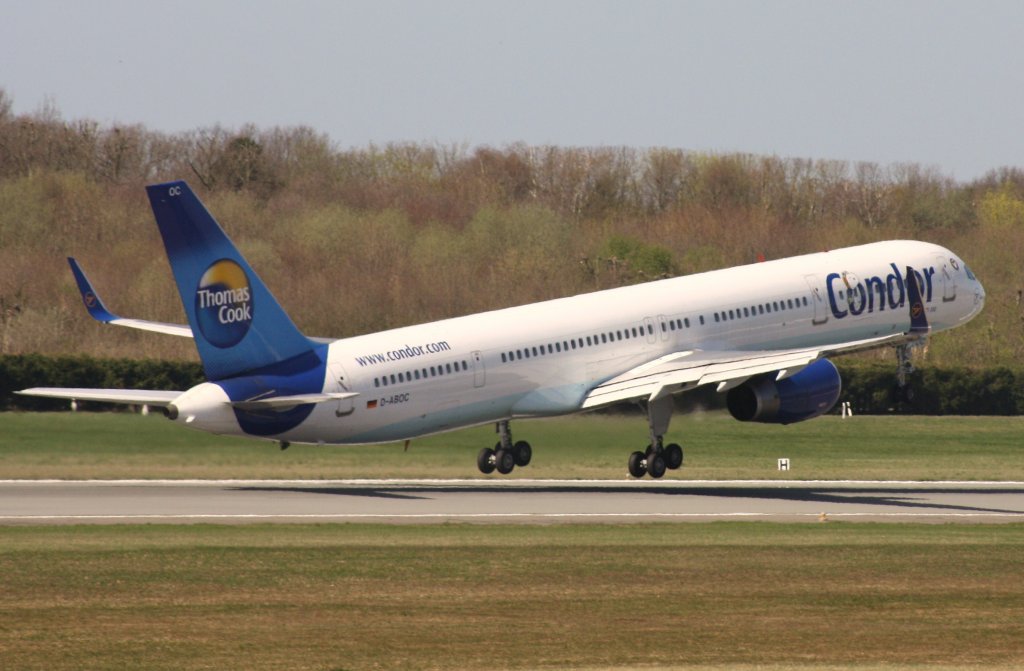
811	392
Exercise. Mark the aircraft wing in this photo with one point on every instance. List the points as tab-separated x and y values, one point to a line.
129	396
681	371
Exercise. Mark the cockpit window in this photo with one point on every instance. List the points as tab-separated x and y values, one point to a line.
970	275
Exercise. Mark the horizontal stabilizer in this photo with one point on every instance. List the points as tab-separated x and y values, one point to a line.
130	396
279	402
99	312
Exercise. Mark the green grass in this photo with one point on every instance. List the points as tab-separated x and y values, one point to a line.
721	595
108	445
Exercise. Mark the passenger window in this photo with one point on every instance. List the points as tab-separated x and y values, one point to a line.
416	374
448	368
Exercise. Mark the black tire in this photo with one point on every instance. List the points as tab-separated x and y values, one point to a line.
656	466
522	452
485	461
636	465
673	456
504	461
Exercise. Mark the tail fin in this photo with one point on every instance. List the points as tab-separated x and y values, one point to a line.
237	323
918	319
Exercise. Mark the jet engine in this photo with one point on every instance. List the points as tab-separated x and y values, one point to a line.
811	392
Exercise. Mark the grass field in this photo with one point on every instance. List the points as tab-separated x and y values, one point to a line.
107	445
722	595
770	597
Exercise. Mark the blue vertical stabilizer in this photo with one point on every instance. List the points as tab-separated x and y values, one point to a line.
238	325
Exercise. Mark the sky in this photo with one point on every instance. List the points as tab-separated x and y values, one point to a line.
895	81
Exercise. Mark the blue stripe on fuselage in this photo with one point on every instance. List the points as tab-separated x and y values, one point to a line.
303	374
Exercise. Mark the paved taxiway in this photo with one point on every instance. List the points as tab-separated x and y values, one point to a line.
502	501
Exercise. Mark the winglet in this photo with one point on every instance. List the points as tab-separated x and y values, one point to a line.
918	319
92	301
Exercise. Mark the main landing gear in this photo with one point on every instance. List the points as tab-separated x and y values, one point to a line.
506	455
658	457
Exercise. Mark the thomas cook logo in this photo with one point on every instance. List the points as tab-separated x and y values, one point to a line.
224	303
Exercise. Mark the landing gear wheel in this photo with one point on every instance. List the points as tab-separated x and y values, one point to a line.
485	461
522	453
637	468
504	461
673	456
656	466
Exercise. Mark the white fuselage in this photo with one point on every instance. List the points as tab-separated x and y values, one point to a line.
543	359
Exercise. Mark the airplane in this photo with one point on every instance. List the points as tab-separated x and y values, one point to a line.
760	333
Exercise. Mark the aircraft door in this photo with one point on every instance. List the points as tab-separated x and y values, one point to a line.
339	383
652	337
817	299
945	275
663	325
479	373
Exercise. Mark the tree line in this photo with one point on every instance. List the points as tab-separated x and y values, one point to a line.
358	239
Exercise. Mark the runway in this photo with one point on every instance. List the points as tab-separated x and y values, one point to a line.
502	501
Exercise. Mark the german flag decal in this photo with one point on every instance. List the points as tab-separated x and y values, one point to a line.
370	405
